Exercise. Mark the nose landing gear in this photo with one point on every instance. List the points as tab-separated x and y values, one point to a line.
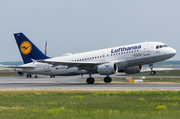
151	67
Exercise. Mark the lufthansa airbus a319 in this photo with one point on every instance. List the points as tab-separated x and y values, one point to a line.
128	59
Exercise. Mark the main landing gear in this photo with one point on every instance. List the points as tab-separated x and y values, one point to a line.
29	75
151	67
90	80
52	76
107	79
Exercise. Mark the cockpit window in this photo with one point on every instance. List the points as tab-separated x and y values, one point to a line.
161	46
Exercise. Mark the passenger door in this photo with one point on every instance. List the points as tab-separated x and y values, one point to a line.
146	49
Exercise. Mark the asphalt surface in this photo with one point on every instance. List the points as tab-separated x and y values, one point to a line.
73	83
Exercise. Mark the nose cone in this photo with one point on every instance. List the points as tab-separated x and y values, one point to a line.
171	52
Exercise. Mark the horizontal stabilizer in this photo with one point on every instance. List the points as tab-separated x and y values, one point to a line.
20	67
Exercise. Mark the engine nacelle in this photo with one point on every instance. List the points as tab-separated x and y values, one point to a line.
20	73
133	70
107	69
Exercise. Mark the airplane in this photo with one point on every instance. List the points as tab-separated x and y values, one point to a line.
128	59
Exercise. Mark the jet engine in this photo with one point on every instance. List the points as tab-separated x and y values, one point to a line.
20	73
107	69
132	70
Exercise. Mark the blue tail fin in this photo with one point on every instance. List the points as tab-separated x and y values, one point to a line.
27	49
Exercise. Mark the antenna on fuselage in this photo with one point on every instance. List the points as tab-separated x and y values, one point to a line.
45	49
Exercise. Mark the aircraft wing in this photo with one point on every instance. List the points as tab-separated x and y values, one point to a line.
70	64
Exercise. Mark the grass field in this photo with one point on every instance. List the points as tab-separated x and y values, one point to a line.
8	74
161	73
90	104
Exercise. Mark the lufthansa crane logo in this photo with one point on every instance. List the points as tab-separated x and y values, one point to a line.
25	47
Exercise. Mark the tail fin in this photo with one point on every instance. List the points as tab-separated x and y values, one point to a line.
27	49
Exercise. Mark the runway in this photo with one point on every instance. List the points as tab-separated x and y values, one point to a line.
73	83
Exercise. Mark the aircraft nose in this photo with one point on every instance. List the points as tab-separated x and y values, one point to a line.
172	52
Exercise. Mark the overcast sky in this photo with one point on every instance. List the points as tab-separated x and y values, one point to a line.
72	26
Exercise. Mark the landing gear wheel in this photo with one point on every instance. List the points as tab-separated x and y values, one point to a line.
107	79
52	76
153	72
36	76
28	75
90	80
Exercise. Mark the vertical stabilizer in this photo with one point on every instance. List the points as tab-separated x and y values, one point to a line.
27	49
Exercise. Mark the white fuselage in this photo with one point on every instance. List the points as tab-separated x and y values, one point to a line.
124	56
